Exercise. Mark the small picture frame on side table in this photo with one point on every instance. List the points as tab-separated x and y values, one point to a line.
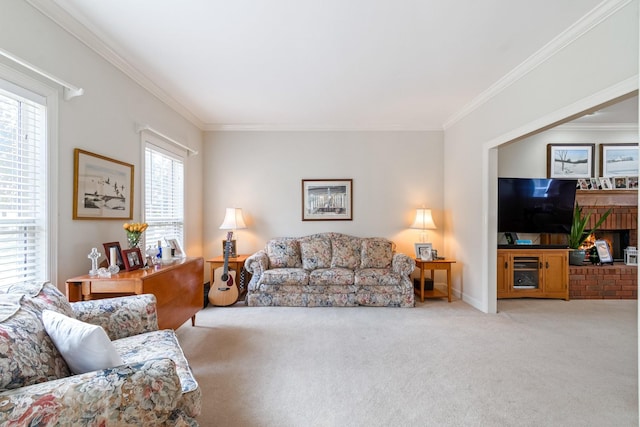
175	246
424	251
132	259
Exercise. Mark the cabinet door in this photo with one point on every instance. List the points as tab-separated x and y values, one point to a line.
503	275
555	274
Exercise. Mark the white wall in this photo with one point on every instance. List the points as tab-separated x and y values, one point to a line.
102	121
600	62
393	174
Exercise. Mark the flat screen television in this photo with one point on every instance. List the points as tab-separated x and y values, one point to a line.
535	205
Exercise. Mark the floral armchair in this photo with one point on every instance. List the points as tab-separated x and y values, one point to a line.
154	386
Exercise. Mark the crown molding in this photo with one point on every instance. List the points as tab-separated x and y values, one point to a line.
213	127
571	34
101	44
596	127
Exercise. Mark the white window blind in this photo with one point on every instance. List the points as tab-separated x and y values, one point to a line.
23	189
164	195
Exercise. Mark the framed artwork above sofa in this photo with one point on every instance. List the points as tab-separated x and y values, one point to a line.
327	199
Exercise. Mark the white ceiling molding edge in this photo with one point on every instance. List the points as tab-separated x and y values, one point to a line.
90	38
574	32
596	127
307	128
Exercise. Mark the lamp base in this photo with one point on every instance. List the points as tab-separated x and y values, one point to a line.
232	248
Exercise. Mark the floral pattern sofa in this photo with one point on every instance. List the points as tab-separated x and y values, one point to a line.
330	269
154	386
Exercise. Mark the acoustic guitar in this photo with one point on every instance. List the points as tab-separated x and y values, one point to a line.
224	291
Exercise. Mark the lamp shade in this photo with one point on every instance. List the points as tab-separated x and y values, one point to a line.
424	220
233	220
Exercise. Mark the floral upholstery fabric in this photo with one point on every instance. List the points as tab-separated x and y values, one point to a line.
284	253
154	386
384	282
376	253
345	252
316	253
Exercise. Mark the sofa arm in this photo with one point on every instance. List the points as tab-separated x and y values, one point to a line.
403	264
138	394
257	263
120	317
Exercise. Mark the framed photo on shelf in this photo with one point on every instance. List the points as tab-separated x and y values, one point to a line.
133	259
570	160
102	187
327	199
107	252
175	246
620	182
632	182
618	159
424	251
603	251
605	183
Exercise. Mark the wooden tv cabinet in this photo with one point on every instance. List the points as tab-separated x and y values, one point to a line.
178	287
533	273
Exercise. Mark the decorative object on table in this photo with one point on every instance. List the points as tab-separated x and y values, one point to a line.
134	232
133	259
579	233
93	256
604	254
233	220
424	251
224	291
631	255
327	199
570	160
109	249
423	221
176	249
102	187
618	159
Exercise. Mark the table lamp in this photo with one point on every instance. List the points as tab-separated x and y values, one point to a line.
233	220
424	222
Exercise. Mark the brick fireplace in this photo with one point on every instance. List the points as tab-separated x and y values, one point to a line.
617	281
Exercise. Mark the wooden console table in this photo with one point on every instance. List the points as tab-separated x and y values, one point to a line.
178	287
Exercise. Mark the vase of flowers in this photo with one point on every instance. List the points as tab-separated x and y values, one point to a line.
134	232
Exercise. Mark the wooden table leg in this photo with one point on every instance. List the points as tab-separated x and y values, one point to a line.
449	283
422	283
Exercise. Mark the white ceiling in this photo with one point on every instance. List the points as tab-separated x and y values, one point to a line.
320	64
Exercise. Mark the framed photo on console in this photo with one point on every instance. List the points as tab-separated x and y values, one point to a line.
132	259
107	252
424	251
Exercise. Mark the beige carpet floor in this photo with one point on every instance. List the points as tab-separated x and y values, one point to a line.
535	363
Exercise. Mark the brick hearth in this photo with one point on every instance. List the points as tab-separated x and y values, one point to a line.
618	281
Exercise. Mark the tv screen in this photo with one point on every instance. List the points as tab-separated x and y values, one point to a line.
536	205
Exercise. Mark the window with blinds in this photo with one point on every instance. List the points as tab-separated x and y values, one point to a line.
164	195
23	189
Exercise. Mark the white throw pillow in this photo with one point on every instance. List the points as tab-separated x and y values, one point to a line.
83	346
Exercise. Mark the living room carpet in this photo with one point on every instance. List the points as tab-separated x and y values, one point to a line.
535	363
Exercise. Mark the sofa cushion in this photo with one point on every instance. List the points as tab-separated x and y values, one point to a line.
376	253
376	278
331	276
83	346
345	252
27	354
283	253
284	276
42	295
315	252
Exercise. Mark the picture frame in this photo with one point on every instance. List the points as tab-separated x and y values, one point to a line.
424	251
602	248
175	245
620	182
133	259
570	160
618	159
327	199
632	182
584	184
605	183
107	252
102	187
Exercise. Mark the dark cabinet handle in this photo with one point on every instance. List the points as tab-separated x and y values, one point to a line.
547	264
540	264
506	264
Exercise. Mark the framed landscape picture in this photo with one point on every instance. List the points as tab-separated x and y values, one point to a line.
618	159
102	187
327	199
570	161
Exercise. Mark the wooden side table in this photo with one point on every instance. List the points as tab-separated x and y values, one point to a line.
439	264
236	264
